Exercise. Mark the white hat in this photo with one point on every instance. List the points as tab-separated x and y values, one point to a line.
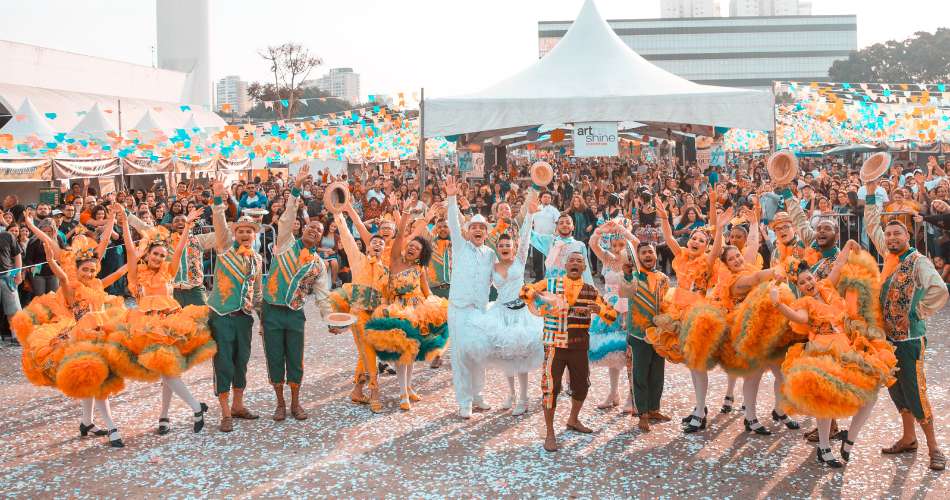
478	219
245	220
255	212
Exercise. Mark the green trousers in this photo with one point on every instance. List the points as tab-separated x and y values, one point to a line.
283	343
190	297
909	393
646	373
232	333
440	292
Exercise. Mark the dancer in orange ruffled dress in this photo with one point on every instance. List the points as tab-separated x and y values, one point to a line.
63	333
160	339
839	372
702	325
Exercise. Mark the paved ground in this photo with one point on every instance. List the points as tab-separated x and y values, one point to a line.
345	451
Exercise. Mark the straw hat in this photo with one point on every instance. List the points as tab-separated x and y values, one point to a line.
541	173
875	166
781	218
336	196
782	167
245	220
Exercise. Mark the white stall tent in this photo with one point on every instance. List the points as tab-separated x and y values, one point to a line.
27	121
94	125
592	75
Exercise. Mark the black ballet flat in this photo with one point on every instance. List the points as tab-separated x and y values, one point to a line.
200	418
727	404
754	426
84	430
791	424
117	441
826	457
846	454
695	423
164	426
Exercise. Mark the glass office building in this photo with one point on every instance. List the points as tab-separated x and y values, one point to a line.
746	52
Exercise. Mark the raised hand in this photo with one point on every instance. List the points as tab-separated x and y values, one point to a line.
194	215
660	208
218	189
302	175
451	188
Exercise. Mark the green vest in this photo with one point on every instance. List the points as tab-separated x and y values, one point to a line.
289	280
234	282
899	298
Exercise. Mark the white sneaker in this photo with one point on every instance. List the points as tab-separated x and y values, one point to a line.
480	404
508	402
520	408
465	412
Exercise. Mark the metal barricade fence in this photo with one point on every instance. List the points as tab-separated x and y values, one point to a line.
851	227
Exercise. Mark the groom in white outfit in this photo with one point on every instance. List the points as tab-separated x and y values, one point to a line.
472	263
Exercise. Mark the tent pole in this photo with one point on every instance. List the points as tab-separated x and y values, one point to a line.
422	141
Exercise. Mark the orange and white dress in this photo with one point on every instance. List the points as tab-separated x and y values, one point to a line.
159	337
842	366
694	327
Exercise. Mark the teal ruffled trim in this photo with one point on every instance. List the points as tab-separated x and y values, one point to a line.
437	338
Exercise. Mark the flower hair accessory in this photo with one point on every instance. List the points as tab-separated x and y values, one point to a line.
154	236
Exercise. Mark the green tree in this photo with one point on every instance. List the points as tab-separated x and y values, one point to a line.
923	58
315	102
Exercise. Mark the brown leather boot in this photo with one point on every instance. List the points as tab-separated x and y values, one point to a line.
295	409
280	413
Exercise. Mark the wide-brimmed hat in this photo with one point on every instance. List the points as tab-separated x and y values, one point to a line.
478	219
336	196
780	218
245	220
541	173
782	167
875	166
255	212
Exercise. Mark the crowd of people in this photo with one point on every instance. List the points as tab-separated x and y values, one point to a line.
610	263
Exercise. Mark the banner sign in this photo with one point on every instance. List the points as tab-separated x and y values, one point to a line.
139	165
208	164
478	166
717	155
230	164
596	139
26	169
703	157
465	161
81	168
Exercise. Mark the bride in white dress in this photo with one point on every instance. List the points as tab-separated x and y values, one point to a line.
512	333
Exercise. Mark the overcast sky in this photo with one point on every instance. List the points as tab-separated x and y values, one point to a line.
448	46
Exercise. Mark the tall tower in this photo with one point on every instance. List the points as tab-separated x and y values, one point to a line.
184	44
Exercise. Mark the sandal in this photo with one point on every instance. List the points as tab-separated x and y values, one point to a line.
898	448
937	460
244	414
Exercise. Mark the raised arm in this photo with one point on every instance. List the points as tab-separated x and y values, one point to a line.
352	251
796	315
112	278
664	217
835	274
395	253
872	219
751	250
364	233
107	232
285	225
221	231
55	267
715	220
455	226
524	234
131	252
40	235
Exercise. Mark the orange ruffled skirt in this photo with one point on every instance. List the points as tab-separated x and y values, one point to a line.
833	377
691	332
159	337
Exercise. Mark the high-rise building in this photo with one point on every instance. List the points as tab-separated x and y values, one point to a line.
688	8
231	90
743	51
341	83
751	8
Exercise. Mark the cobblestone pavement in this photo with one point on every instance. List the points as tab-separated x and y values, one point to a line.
345	451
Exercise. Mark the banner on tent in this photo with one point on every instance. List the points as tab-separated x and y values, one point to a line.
478	167
234	165
81	168
703	155
141	165
26	169
596	139
204	165
465	161
717	155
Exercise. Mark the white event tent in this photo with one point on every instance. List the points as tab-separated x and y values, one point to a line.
27	121
94	125
592	75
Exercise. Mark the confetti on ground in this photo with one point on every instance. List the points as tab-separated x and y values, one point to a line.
343	450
